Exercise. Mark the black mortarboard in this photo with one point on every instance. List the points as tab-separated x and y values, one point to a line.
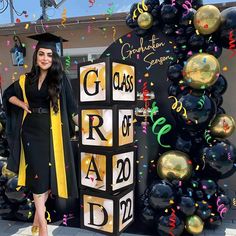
50	41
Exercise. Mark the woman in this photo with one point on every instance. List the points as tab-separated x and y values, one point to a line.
41	110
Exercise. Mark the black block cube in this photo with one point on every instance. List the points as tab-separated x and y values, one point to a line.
107	81
109	127
106	213
106	171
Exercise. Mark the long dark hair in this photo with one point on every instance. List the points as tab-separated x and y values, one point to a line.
54	77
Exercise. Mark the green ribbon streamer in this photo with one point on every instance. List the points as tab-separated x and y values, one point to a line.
164	130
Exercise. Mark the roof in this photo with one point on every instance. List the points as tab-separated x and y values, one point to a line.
74	23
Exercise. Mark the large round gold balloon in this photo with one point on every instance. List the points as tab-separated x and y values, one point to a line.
194	224
222	126
7	173
201	71
174	165
145	20
207	19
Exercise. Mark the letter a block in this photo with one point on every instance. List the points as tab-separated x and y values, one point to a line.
106	81
106	171
106	127
107	214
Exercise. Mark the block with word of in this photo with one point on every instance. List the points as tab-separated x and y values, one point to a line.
106	171
106	213
106	127
106	81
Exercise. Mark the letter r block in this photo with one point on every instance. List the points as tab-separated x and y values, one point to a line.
106	171
107	81
108	127
106	213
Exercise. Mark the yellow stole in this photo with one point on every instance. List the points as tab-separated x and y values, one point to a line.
58	148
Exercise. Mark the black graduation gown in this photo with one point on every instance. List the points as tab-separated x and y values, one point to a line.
13	132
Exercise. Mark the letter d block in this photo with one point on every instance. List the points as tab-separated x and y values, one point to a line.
106	171
106	213
106	127
107	81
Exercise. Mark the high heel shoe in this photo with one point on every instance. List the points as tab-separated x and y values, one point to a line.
35	230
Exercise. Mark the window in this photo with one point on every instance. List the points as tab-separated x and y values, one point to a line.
72	57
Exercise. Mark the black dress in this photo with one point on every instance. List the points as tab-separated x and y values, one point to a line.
44	167
36	139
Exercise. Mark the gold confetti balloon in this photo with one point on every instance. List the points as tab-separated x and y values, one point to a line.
207	19
174	165
7	173
222	126
201	71
194	224
145	20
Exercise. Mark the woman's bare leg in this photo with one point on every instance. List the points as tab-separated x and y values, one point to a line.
39	201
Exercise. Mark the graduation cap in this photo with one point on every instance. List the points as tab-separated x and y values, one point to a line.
50	41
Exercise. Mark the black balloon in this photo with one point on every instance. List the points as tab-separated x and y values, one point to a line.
196	42
218	100
199	194
225	200
213	221
203	210
183	144
168	29
189	30
220	110
5	206
200	111
228	27
220	158
160	195
187	206
214	49
164	226
147	216
197	3
186	18
169	13
26	210
219	87
174	72
11	191
209	186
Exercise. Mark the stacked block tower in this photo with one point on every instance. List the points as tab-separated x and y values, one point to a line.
107	95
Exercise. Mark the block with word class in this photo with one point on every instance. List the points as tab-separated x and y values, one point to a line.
108	214
106	171
106	126
106	81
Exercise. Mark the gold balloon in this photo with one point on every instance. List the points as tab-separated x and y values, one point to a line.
222	126
194	224
174	165
207	19
145	20
201	71
7	173
1	127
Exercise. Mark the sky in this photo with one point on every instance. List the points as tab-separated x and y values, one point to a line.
70	8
